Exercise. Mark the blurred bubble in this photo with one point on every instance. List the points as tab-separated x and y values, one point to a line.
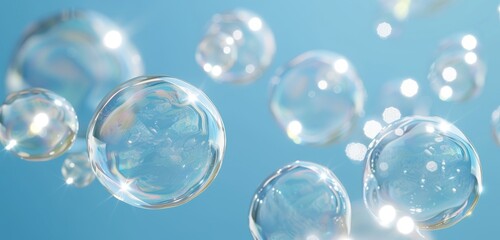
403	9
495	121
458	73
237	47
384	30
391	114
317	97
301	201
424	168
77	171
372	128
365	227
355	151
156	142
80	55
37	124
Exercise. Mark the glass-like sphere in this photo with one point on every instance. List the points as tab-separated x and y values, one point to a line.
317	97
80	55
237	47
37	124
156	142
300	201
77	171
423	168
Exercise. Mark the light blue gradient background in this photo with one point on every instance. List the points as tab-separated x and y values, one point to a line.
35	204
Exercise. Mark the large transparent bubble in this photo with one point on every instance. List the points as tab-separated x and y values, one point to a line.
317	97
37	124
458	73
80	55
237	47
301	201
77	171
422	169
156	142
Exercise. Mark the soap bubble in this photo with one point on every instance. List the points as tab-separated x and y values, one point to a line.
458	73
317	97
403	9
237	47
365	227
426	170
76	170
300	201
495	121
80	55
156	142
37	124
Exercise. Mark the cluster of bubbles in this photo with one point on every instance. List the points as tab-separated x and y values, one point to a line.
157	142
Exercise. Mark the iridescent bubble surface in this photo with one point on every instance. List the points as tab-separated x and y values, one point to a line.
301	201
80	55
237	47
426	170
317	97
458	73
37	124
156	142
403	9
495	123
77	171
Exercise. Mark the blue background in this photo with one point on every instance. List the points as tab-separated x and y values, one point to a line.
35	203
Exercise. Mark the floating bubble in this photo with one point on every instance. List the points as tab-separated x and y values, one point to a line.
424	168
384	29
301	201
458	74
156	142
80	55
37	124
495	121
403	9
77	171
365	227
317	97
237	48
355	151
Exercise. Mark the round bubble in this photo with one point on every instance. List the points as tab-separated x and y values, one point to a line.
365	227
37	124
300	201
495	121
458	73
77	171
425	171
403	9
317	98
156	142
80	55
237	47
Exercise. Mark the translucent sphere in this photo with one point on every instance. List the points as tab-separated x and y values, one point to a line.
495	122
80	55
37	124
403	9
237	47
457	75
365	227
301	201
77	171
156	142
423	169
317	98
